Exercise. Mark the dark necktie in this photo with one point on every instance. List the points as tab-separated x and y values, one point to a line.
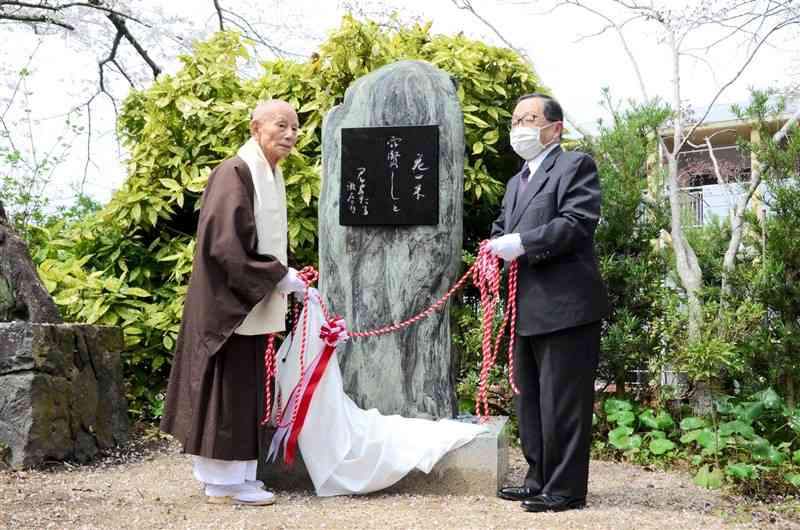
524	179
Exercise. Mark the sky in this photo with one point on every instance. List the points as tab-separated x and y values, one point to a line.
570	59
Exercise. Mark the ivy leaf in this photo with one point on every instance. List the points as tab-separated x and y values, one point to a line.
793	479
740	470
737	427
613	405
794	420
692	422
769	398
620	437
664	421
659	446
648	418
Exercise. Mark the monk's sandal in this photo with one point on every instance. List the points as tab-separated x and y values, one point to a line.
242	494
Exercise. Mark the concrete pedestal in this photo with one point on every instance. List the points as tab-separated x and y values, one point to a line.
478	468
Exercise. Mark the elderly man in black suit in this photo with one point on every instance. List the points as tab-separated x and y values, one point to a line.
547	223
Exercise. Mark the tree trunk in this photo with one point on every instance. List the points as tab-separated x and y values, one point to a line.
22	295
791	400
619	383
689	273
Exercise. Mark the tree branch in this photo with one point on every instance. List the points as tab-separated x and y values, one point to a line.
119	23
219	15
749	59
32	19
622	39
467	5
781	134
111	57
95	5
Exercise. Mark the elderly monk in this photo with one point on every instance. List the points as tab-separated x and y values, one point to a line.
237	295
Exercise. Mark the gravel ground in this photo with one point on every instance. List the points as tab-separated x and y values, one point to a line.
147	484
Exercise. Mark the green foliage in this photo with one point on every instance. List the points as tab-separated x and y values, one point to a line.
745	441
129	264
775	278
631	220
728	337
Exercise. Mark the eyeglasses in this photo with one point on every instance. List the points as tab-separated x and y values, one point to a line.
528	120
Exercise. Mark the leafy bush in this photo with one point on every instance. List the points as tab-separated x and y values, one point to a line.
753	442
631	219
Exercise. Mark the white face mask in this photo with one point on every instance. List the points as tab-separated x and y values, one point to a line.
526	141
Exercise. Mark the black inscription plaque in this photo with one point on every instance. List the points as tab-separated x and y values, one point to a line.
390	176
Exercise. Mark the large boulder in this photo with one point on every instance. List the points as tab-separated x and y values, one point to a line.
61	392
61	388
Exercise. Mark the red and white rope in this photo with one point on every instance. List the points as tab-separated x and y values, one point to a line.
485	273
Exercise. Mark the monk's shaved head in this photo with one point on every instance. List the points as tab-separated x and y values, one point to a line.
274	126
271	107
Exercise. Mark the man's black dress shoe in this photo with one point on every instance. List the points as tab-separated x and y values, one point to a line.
517	493
553	503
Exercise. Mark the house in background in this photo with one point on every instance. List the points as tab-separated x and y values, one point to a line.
702	195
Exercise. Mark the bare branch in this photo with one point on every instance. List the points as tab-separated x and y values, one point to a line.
781	134
250	32
705	62
119	23
41	19
111	57
26	68
737	229
96	5
88	148
749	59
123	72
467	5
621	35
219	15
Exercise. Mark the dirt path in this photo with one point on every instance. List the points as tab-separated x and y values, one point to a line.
142	487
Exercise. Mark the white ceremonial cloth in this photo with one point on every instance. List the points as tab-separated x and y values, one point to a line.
269	208
348	450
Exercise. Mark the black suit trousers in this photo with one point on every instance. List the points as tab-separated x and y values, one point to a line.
555	376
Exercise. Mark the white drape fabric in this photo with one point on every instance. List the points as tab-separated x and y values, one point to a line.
348	450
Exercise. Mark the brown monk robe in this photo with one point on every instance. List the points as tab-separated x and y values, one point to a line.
228	279
236	294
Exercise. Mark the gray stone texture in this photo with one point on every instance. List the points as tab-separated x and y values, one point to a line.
22	295
375	275
61	392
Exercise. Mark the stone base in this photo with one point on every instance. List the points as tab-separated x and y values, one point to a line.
478	468
61	392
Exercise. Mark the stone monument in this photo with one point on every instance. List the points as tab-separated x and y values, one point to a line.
391	265
61	386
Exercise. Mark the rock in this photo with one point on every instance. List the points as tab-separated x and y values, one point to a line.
376	275
22	295
61	392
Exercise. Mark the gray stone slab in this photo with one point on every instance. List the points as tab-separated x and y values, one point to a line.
477	468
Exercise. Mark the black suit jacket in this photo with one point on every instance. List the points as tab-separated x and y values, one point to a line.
559	284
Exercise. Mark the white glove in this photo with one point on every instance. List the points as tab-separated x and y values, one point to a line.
507	247
291	283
